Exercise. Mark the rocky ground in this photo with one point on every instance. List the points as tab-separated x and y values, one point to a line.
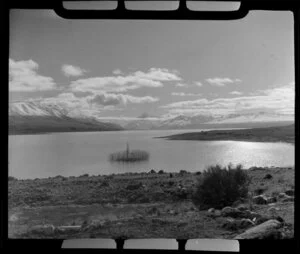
144	205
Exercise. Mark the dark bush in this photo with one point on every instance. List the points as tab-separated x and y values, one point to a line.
259	191
134	186
152	171
171	175
183	172
268	176
161	172
221	186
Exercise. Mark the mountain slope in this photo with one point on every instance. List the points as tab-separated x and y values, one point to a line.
250	120
33	117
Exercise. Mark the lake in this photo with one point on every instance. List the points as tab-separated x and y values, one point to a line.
77	153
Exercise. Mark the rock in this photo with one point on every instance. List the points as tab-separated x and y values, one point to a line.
211	210
232	212
290	192
237	203
68	229
271	200
282	195
259	200
227	210
232	224
172	212
245	223
285	198
242	208
273	209
43	229
280	219
214	213
288	199
218	213
13	218
266	230
262	219
251	215
268	176
93	225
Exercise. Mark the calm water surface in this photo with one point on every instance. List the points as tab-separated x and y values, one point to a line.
73	154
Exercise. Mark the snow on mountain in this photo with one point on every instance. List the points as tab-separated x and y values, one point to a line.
37	117
56	112
252	117
36	108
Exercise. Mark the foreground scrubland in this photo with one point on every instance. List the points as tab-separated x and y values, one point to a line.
147	205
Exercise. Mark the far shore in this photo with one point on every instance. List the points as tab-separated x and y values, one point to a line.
269	134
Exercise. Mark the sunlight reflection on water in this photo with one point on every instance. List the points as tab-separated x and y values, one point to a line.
72	154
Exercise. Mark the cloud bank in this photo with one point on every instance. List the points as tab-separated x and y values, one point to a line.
23	77
121	83
280	100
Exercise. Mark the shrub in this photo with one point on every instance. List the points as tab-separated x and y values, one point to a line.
268	176
219	187
259	191
161	172
134	186
183	172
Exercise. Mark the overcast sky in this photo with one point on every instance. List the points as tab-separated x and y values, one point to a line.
123	68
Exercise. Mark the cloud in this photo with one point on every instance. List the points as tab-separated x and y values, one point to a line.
72	71
153	78
110	99
280	100
221	81
186	94
89	106
23	77
236	93
181	85
198	84
117	72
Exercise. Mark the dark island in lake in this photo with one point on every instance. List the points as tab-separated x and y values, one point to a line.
269	134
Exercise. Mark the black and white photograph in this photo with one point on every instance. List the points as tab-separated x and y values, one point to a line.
179	129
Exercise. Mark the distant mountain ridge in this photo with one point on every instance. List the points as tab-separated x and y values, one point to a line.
39	117
34	117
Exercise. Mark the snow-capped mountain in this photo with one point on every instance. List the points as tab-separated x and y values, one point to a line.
36	116
262	117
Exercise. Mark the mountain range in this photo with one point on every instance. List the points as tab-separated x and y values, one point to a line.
36	117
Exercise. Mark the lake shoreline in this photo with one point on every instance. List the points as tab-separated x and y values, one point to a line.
132	204
284	134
